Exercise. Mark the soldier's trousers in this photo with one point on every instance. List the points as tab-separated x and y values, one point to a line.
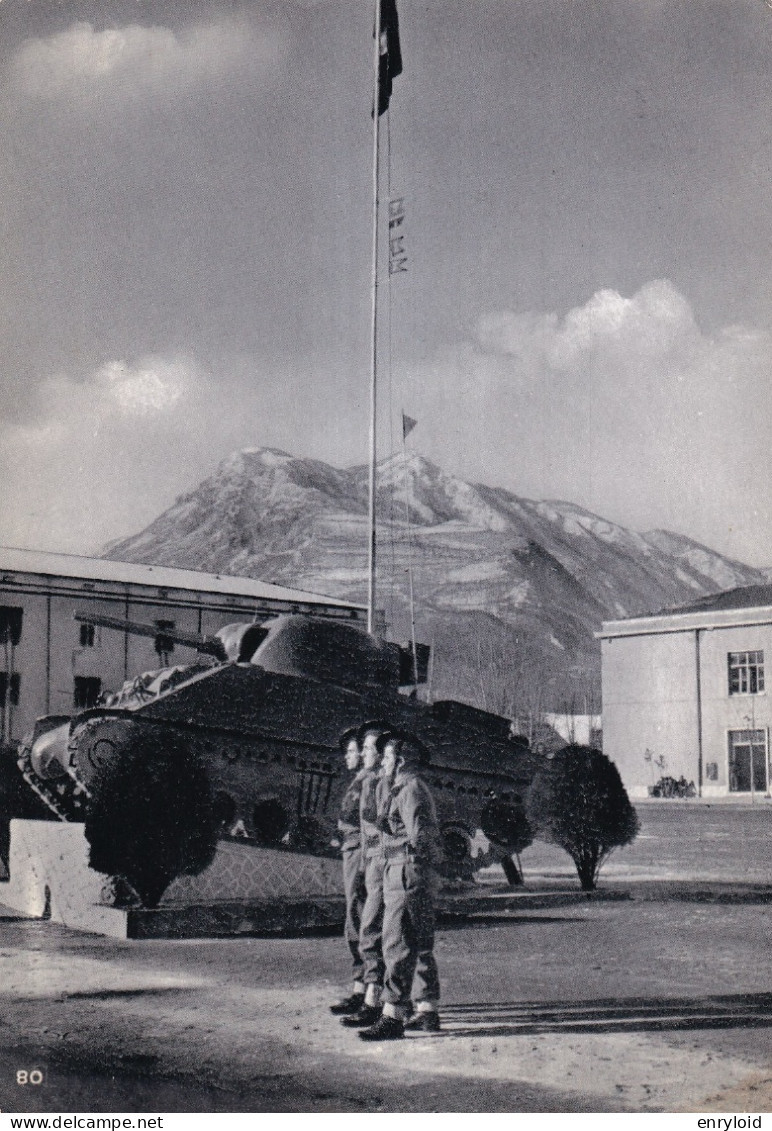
408	933
354	889
371	931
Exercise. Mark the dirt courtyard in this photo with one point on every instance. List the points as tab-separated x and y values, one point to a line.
629	1005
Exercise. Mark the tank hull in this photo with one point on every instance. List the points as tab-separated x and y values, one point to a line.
270	746
253	750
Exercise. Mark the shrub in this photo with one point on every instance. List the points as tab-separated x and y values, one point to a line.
506	825
577	800
150	817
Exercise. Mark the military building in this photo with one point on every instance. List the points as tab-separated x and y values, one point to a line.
684	696
52	664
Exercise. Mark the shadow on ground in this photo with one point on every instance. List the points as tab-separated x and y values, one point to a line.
608	1015
98	1076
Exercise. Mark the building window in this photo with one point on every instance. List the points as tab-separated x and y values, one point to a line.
10	624
12	692
746	673
747	761
87	691
87	636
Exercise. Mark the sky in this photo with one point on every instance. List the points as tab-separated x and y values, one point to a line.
185	253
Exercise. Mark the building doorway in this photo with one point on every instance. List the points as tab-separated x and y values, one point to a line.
748	761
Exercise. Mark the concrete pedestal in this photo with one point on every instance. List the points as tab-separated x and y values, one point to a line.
245	889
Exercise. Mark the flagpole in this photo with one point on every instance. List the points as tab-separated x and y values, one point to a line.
409	554
374	325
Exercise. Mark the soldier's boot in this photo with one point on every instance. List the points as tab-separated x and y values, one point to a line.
367	1015
370	1011
388	1027
351	1004
384	1029
424	1021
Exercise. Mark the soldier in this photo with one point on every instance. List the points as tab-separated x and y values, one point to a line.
374	794
411	851
353	874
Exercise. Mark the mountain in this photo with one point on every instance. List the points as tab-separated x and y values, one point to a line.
510	590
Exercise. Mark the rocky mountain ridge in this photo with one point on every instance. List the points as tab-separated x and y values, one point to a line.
499	580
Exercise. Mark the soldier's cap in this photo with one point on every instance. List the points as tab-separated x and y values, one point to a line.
350	734
382	739
373	726
409	746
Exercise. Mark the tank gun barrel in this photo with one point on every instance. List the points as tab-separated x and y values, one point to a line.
209	645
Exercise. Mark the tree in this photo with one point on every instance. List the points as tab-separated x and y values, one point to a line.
577	800
497	668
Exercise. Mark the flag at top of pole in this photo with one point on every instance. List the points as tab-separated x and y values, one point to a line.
390	53
408	424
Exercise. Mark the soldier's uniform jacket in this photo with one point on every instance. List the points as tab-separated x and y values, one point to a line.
348	822
409	822
371	803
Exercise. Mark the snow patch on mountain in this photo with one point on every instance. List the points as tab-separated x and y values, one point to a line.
476	571
435	496
574	517
517	596
724	573
688	579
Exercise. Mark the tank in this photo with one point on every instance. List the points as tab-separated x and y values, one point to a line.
243	744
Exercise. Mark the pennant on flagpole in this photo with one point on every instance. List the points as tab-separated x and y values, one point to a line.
390	59
408	424
397	252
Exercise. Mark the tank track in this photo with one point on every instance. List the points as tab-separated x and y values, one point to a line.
65	797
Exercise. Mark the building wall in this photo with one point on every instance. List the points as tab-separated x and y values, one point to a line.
650	708
50	656
667	693
722	712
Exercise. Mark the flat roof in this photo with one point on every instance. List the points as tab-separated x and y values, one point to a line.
47	564
685	622
731	608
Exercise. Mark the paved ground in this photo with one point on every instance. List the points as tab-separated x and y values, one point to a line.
639	1004
680	841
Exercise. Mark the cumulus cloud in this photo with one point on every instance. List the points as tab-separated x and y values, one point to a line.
83	62
623	404
110	444
100	456
655	322
142	391
116	392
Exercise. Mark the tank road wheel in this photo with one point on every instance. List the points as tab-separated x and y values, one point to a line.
150	816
